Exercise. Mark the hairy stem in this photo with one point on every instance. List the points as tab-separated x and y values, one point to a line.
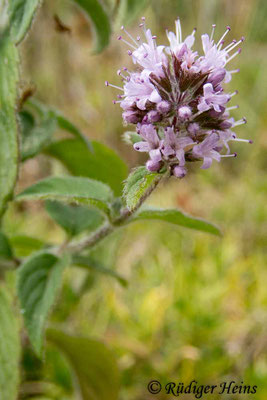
92	240
108	228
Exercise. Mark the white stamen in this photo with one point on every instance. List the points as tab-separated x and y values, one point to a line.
232	108
125	41
178	30
240	122
229	155
243	140
221	44
234	71
233	56
123	76
212	32
233	46
230	44
234	93
129	35
225	33
114	86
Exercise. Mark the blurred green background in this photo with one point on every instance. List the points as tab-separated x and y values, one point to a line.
196	305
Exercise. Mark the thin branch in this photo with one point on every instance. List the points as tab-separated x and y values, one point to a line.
108	228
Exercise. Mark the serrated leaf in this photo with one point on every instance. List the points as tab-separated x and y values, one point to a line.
102	163
93	364
70	189
177	217
74	219
38	281
9	348
129	10
5	248
8	123
136	185
94	265
100	20
21	14
35	136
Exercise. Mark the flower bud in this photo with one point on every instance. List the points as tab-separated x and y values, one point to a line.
153	166
153	116
130	117
184	113
193	128
179	172
163	107
217	77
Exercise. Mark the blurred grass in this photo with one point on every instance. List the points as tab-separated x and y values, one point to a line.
196	306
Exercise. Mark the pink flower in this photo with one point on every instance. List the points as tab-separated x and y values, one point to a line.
212	99
175	145
177	45
206	150
151	143
139	90
150	56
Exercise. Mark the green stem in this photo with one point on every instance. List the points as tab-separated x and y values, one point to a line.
108	228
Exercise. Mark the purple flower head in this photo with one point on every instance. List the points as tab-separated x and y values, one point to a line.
176	98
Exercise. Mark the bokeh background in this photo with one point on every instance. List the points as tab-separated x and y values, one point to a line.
196	305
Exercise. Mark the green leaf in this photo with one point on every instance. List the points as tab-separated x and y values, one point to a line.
62	122
8	123
129	10
131	137
68	126
177	217
71	190
9	348
25	245
100	21
5	248
38	281
74	219
93	363
102	163
35	136
90	263
21	14
136	185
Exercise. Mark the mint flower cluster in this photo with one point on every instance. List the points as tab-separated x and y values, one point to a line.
176	98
